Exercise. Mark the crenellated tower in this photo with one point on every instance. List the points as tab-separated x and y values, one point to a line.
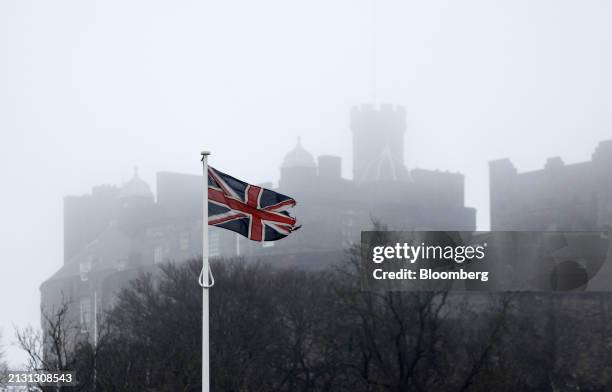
378	143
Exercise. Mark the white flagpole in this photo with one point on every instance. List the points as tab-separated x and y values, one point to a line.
205	280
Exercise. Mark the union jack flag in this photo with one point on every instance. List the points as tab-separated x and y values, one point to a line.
255	212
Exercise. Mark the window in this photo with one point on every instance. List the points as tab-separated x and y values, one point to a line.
85	314
158	254
348	229
84	268
121	264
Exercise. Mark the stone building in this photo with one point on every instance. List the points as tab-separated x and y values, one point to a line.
558	197
114	233
574	197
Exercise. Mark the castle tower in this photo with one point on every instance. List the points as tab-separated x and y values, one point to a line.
137	203
378	143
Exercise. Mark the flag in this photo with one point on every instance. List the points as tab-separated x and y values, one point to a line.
252	211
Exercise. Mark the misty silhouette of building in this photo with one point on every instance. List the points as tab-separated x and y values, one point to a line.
114	233
334	210
575	197
558	197
379	154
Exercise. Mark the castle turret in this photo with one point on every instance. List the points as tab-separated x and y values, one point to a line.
137	203
136	189
298	168
87	216
378	143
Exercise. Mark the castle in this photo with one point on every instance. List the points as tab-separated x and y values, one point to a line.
114	233
575	197
571	197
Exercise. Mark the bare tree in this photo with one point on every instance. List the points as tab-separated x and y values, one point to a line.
59	346
3	364
418	340
284	330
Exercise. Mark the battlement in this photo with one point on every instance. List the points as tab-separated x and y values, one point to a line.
502	167
557	196
391	117
603	151
378	141
110	191
385	107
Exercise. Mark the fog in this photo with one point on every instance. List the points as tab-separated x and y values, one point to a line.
90	89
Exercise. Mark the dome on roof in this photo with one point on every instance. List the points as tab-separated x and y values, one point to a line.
298	157
136	187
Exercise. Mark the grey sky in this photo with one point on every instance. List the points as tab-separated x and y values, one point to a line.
89	89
